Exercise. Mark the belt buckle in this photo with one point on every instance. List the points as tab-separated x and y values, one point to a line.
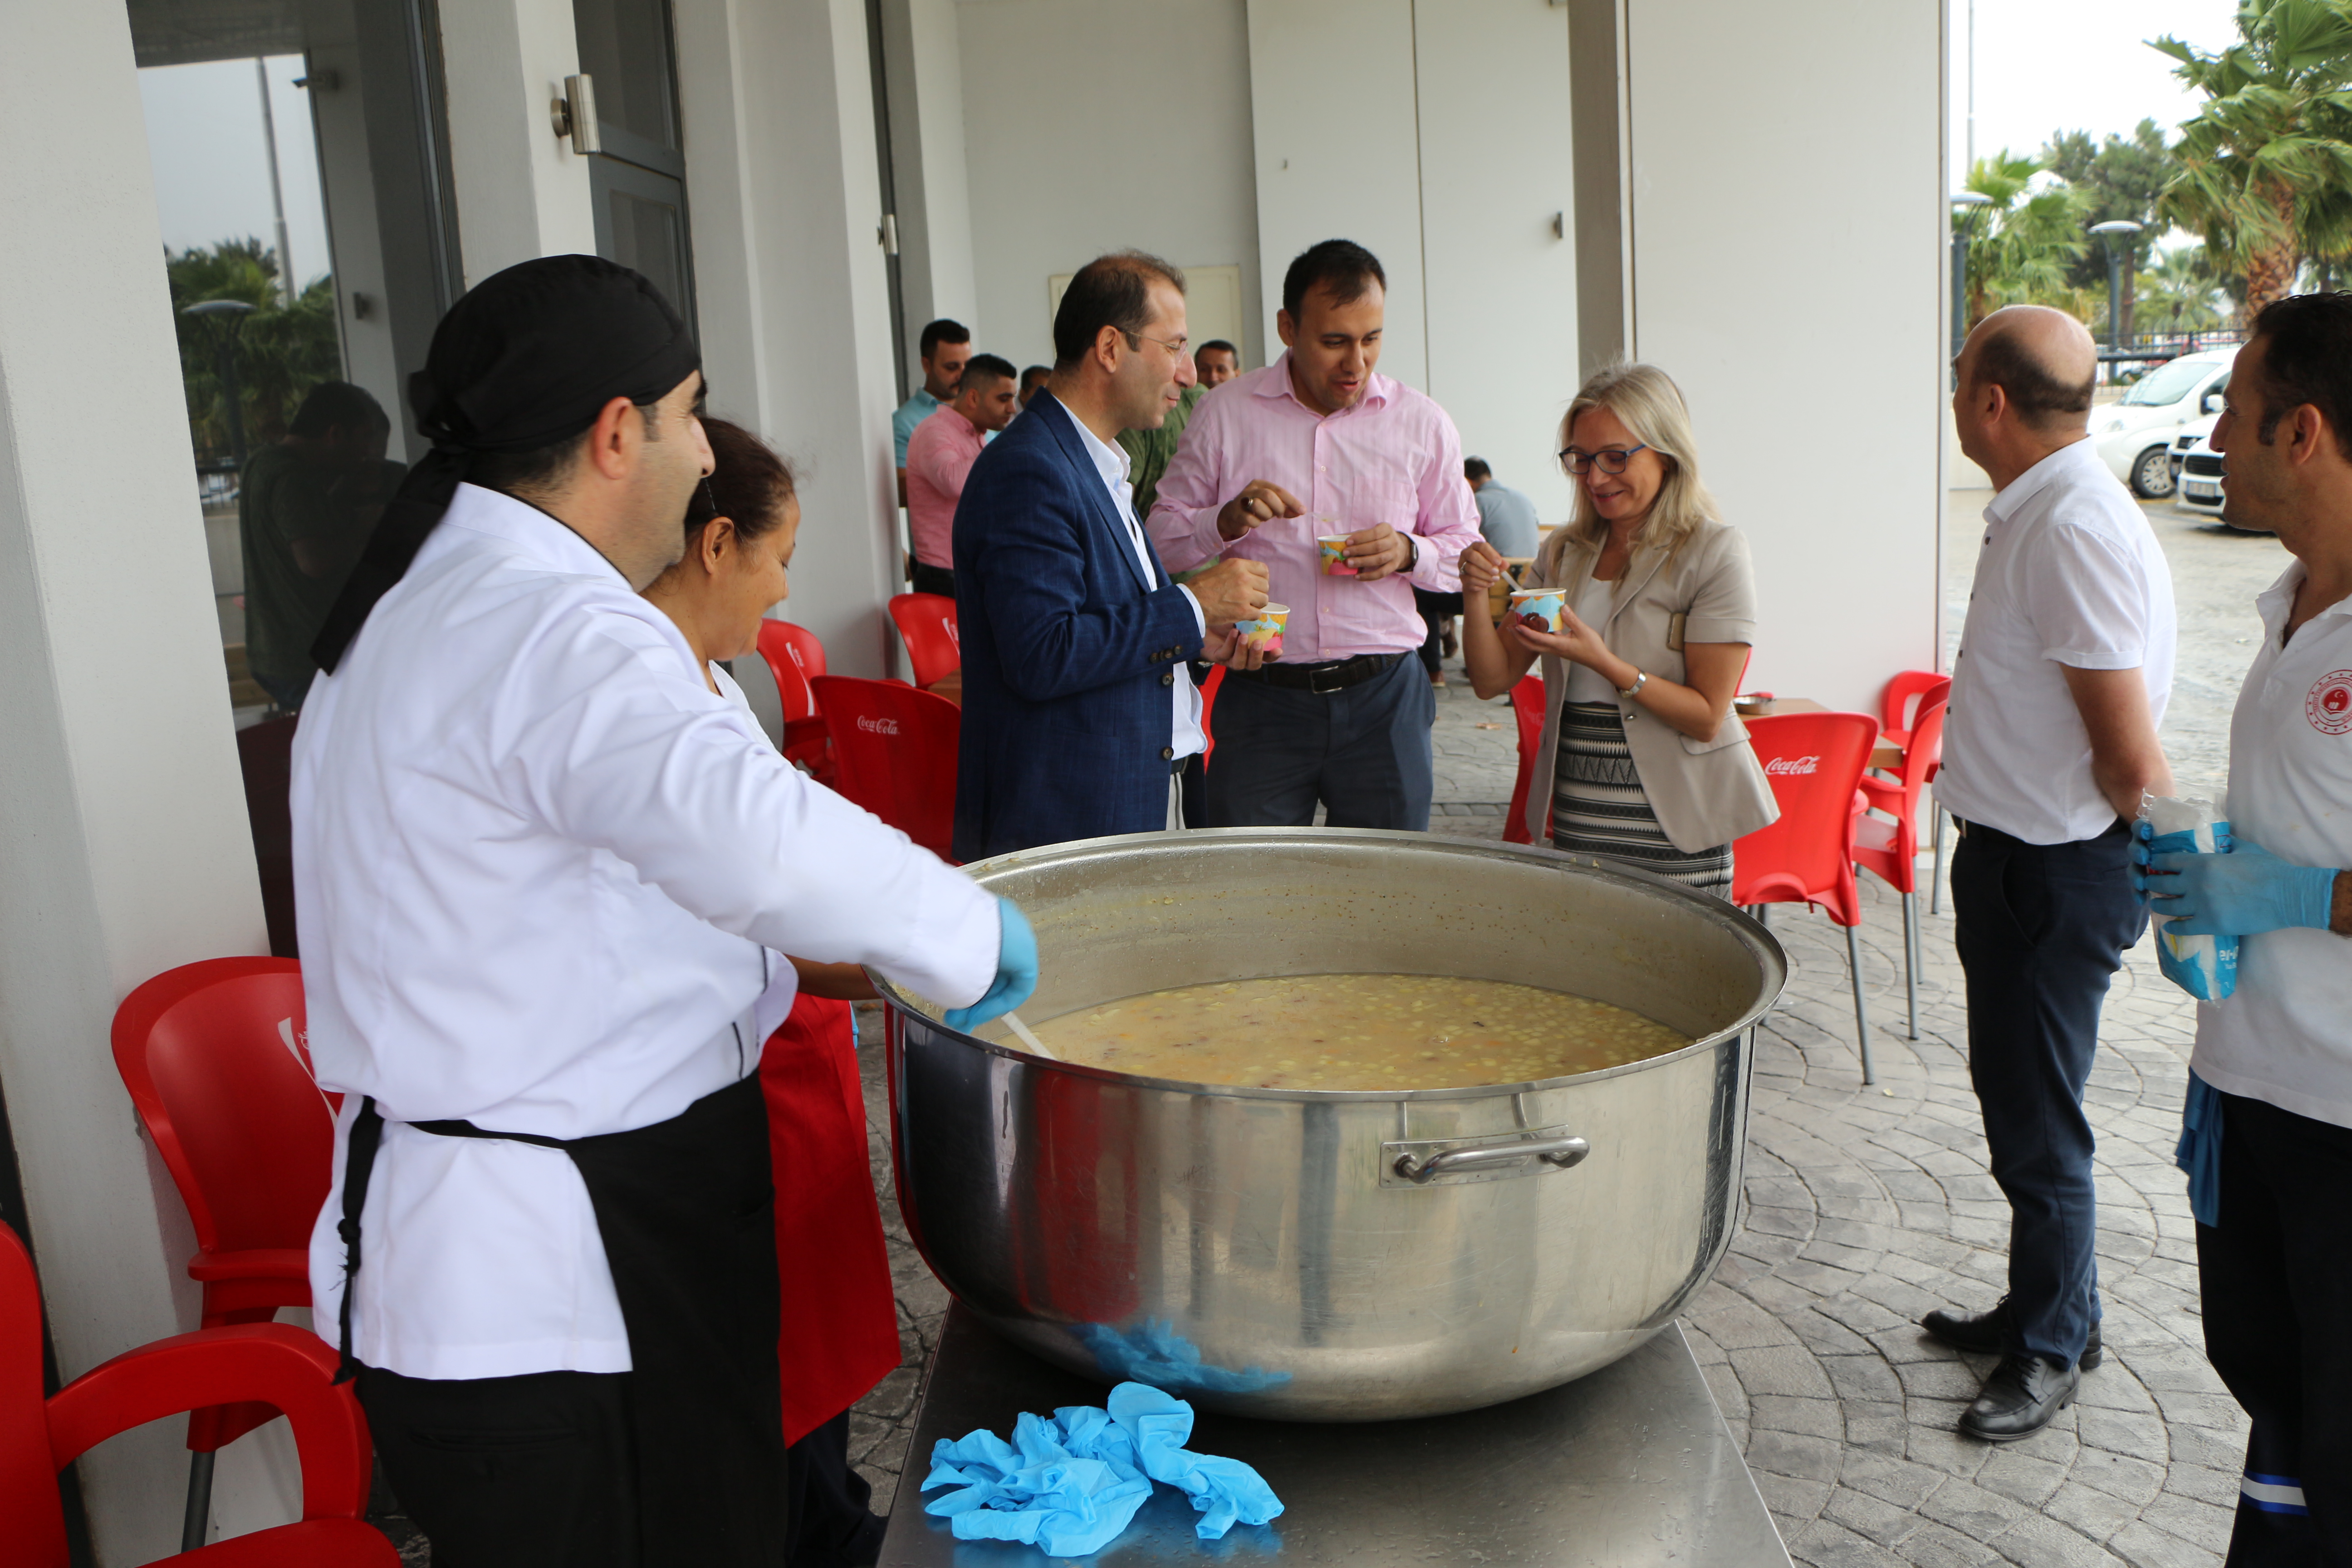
1315	678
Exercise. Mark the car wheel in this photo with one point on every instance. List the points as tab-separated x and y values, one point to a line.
2152	474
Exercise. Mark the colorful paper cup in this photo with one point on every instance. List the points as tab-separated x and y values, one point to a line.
1264	630
1546	605
1334	549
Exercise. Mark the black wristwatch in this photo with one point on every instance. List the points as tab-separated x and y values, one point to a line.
1412	552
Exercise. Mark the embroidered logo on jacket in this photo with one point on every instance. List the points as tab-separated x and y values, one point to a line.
2329	706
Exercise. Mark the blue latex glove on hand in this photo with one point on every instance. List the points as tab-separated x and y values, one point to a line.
2145	842
1016	973
2250	890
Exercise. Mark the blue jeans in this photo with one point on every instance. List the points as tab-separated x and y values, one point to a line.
2041	928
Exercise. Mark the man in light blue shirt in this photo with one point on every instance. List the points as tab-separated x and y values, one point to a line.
1505	518
946	346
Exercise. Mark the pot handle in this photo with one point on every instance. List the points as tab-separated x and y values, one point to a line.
1560	1152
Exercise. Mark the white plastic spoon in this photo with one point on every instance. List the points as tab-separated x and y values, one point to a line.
1036	1046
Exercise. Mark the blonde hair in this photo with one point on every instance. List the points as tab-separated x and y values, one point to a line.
1648	402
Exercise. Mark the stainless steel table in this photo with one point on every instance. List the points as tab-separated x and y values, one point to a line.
1630	1466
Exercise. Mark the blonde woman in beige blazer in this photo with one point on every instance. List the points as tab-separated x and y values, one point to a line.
1642	762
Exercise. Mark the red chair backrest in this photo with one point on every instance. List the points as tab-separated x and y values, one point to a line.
1898	708
794	657
928	622
28	1477
1813	762
1923	753
1528	708
1209	689
213	1057
895	748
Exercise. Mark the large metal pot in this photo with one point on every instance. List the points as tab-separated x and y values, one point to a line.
1335	1257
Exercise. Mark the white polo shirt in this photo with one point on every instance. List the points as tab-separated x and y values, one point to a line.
2285	1037
2070	574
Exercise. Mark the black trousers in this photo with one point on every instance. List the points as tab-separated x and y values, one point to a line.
2041	928
1435	610
1364	753
2277	1279
539	1471
930	579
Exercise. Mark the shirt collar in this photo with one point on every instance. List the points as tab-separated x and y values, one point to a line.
2276	603
1378	389
1110	461
532	531
2037	479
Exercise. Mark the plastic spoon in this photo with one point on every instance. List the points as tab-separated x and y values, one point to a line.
1036	1046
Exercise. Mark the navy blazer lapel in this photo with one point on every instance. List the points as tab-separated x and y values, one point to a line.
1090	481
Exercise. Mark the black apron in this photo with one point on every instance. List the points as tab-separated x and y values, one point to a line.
687	1210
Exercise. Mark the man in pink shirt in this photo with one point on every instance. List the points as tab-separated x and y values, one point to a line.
940	454
1318	444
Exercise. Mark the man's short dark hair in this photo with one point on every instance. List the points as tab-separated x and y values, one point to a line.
1216	345
943	331
1033	374
1112	290
984	367
1476	469
2039	397
1340	266
338	404
2306	358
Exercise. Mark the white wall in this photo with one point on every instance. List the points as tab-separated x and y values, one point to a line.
786	197
521	193
1501	278
1836	337
123	844
923	56
1096	125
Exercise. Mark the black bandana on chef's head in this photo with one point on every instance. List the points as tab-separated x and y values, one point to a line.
526	360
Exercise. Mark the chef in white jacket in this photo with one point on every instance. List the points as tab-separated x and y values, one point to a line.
542	873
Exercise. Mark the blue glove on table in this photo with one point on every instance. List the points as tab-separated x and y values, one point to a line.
1016	973
2250	890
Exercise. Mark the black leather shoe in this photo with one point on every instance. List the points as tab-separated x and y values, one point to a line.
1987	1333
2021	1397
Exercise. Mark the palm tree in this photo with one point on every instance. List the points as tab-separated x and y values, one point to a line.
2179	292
283	350
2264	171
2033	235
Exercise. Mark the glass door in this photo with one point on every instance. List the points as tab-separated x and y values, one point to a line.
638	178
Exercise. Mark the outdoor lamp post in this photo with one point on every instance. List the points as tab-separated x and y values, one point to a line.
2112	234
233	312
1967	207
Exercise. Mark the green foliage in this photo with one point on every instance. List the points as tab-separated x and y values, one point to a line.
2180	293
2264	171
281	351
2027	242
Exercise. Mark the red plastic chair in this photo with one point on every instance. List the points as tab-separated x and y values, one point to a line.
1907	696
894	750
1528	708
1209	689
1814	761
1890	850
794	657
280	1368
213	1055
928	623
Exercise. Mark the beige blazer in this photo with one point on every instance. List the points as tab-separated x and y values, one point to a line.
1705	793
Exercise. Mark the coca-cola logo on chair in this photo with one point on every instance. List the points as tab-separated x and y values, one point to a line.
873	726
1783	767
2329	706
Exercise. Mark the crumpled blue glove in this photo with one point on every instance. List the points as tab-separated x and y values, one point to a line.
1223	1490
2250	890
1016	973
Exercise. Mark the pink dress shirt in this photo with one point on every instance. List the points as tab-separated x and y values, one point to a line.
939	455
1394	457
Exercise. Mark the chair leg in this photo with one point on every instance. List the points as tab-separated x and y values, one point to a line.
196	1523
1861	1014
1911	957
1936	888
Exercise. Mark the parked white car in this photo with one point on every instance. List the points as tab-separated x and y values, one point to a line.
2198	467
2135	434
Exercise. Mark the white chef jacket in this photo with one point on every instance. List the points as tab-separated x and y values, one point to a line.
2285	1036
1117	470
539	866
2070	574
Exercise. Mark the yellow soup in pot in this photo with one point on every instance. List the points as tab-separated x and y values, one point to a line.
1356	1032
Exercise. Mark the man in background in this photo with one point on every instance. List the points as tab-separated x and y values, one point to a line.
946	345
304	508
1218	362
1032	380
942	453
1505	518
2066	662
1319	443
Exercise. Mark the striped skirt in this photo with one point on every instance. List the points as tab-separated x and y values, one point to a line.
1598	806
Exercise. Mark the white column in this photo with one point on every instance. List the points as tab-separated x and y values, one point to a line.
923	56
123	844
1809	342
521	190
786	191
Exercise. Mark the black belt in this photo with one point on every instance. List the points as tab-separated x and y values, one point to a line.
1995	835
1331	675
686	1211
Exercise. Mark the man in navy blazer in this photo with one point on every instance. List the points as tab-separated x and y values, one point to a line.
1077	705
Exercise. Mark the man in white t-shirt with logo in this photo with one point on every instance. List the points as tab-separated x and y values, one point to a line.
2064	665
2274	1063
